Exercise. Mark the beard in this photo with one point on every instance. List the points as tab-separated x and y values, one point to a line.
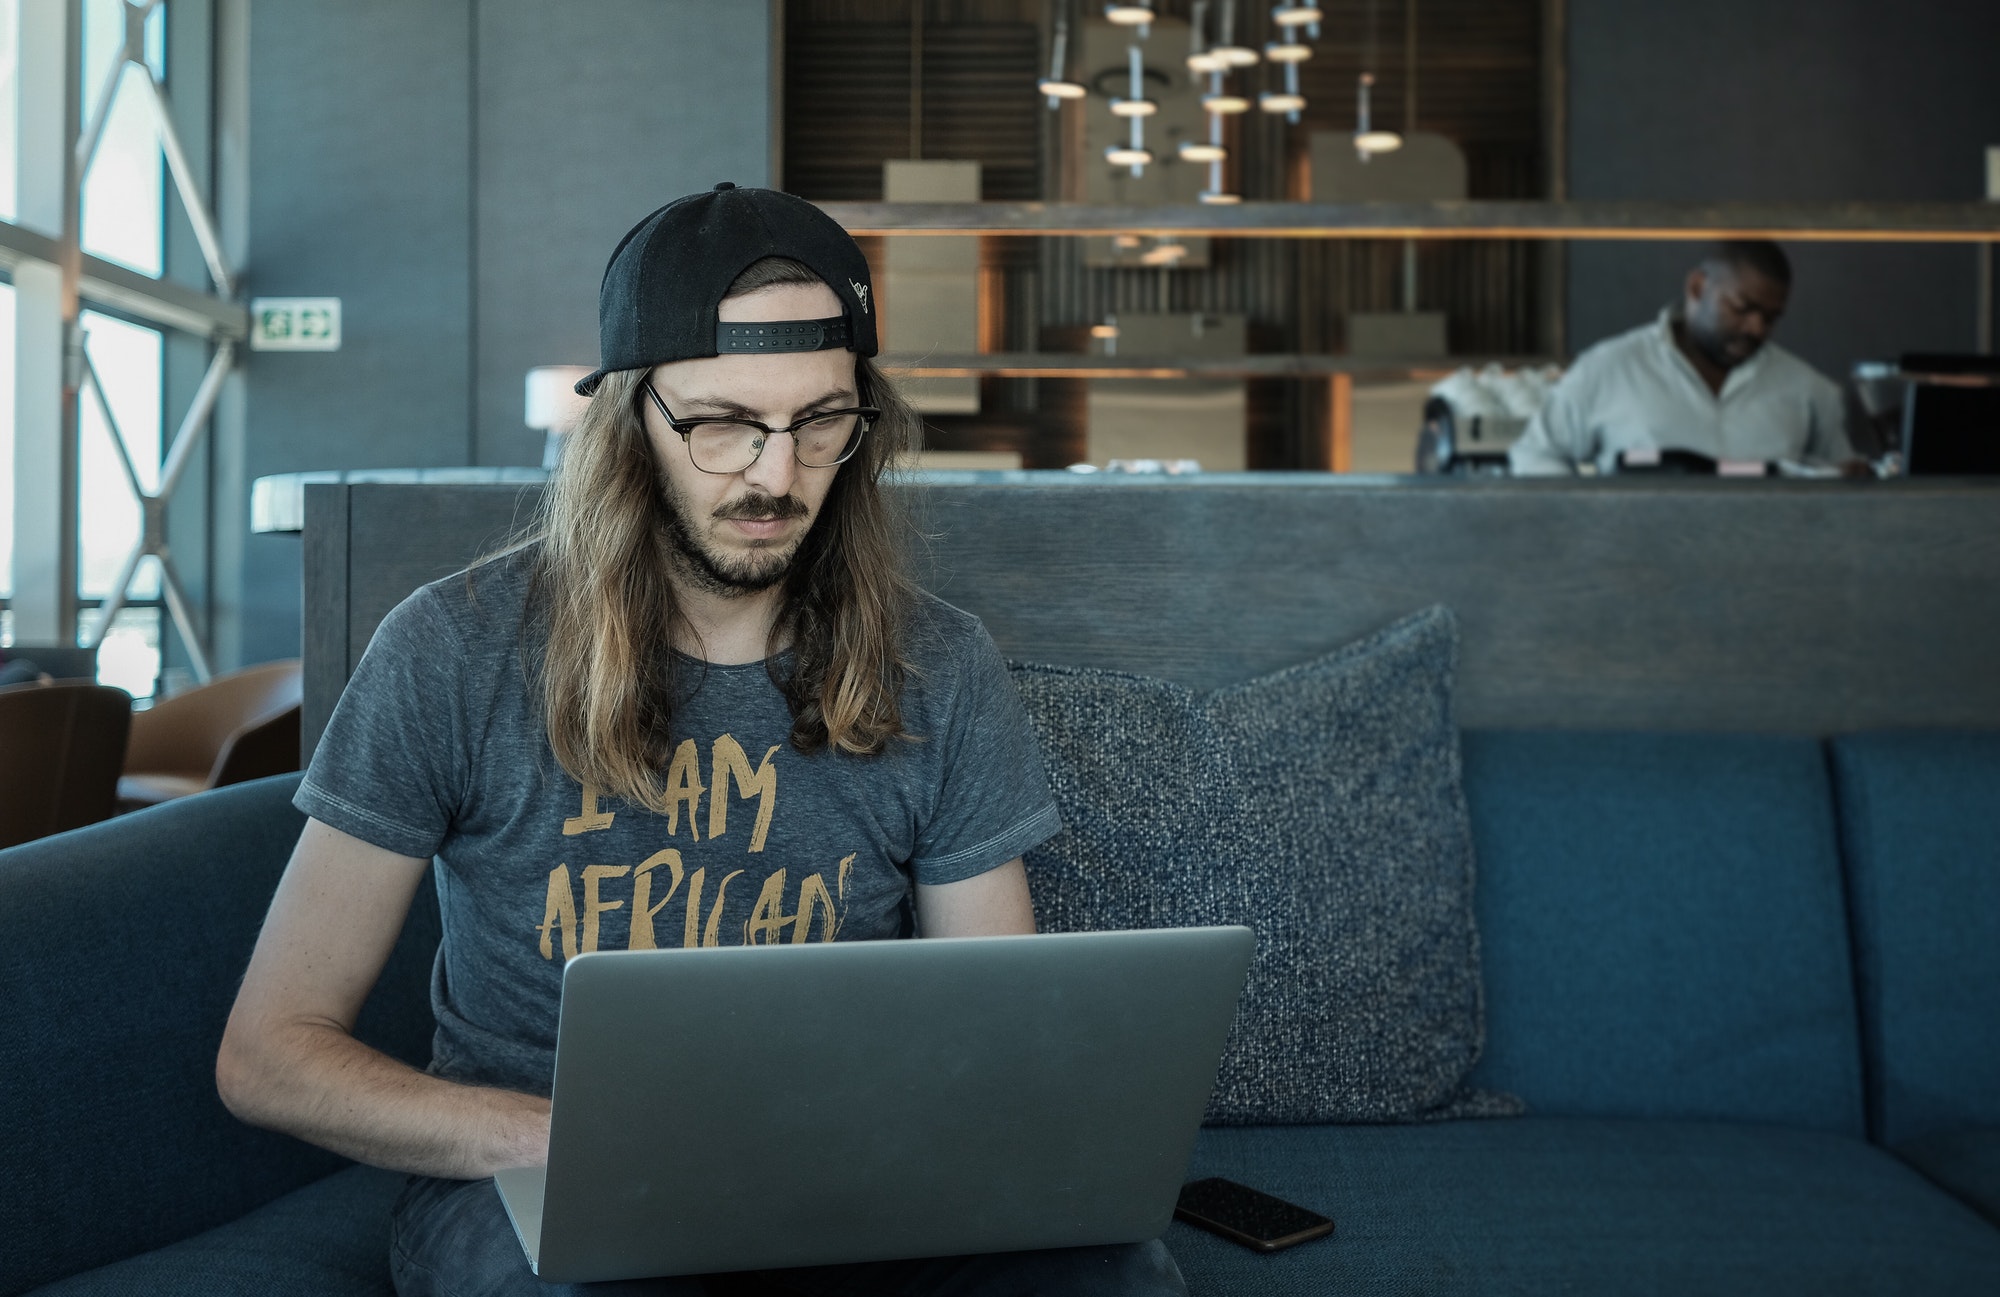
716	571
1728	350
1724	350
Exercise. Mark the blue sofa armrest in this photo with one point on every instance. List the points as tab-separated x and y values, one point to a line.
130	938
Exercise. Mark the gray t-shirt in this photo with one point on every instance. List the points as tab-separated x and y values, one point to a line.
436	748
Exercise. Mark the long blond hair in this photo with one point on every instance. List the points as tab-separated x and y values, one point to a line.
604	604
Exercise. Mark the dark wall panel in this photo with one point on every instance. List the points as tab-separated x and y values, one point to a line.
578	138
457	172
848	105
1785	99
360	164
1782	607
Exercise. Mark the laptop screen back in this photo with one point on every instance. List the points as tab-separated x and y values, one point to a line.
742	1108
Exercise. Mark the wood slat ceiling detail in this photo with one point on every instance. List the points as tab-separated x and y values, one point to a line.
847	109
847	106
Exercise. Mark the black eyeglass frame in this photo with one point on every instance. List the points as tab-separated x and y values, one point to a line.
866	415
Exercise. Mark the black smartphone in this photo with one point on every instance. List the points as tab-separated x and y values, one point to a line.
1248	1216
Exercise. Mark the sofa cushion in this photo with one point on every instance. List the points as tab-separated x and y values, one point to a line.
329	1239
1320	806
1589	1206
1964	1162
117	1142
1916	820
1665	932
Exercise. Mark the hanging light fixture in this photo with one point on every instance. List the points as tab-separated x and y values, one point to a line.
1214	192
1290	17
1367	140
1211	152
1132	15
1220	101
1135	108
1200	59
1226	49
1287	101
1057	86
1214	153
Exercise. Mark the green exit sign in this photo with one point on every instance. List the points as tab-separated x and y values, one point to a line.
295	324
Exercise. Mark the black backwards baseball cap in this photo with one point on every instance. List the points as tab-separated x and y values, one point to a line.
669	273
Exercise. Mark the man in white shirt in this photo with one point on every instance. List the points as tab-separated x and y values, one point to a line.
1703	377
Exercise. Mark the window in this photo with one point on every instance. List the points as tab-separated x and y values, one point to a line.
120	426
7	439
122	220
127	359
10	63
123	192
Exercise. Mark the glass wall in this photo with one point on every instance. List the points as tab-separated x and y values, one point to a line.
127	358
122	215
122	220
122	194
10	63
9	208
7	442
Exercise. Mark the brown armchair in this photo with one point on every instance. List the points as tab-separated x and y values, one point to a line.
239	726
60	749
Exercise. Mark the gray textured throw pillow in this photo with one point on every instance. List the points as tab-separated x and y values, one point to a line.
1321	806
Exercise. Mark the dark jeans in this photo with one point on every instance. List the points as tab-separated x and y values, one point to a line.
451	1238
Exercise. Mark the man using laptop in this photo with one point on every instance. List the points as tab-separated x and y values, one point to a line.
704	705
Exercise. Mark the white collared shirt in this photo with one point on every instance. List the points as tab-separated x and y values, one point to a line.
1637	391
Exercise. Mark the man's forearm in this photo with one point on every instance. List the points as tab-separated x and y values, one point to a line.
316	1082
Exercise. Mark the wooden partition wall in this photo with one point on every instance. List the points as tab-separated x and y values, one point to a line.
1770	606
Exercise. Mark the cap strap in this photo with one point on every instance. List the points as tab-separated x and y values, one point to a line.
783	335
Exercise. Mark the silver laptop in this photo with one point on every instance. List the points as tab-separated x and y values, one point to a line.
757	1108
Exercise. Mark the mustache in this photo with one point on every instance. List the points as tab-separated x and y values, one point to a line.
758	507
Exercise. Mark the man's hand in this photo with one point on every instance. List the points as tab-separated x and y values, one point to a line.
289	1060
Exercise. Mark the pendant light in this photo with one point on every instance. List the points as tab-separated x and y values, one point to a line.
1291	17
1201	60
1230	54
1201	63
1056	85
1287	101
1212	151
1131	15
1367	140
1135	108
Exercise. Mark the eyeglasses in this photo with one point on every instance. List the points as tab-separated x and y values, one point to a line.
731	445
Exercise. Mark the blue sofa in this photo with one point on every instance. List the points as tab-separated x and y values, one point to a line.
1748	986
